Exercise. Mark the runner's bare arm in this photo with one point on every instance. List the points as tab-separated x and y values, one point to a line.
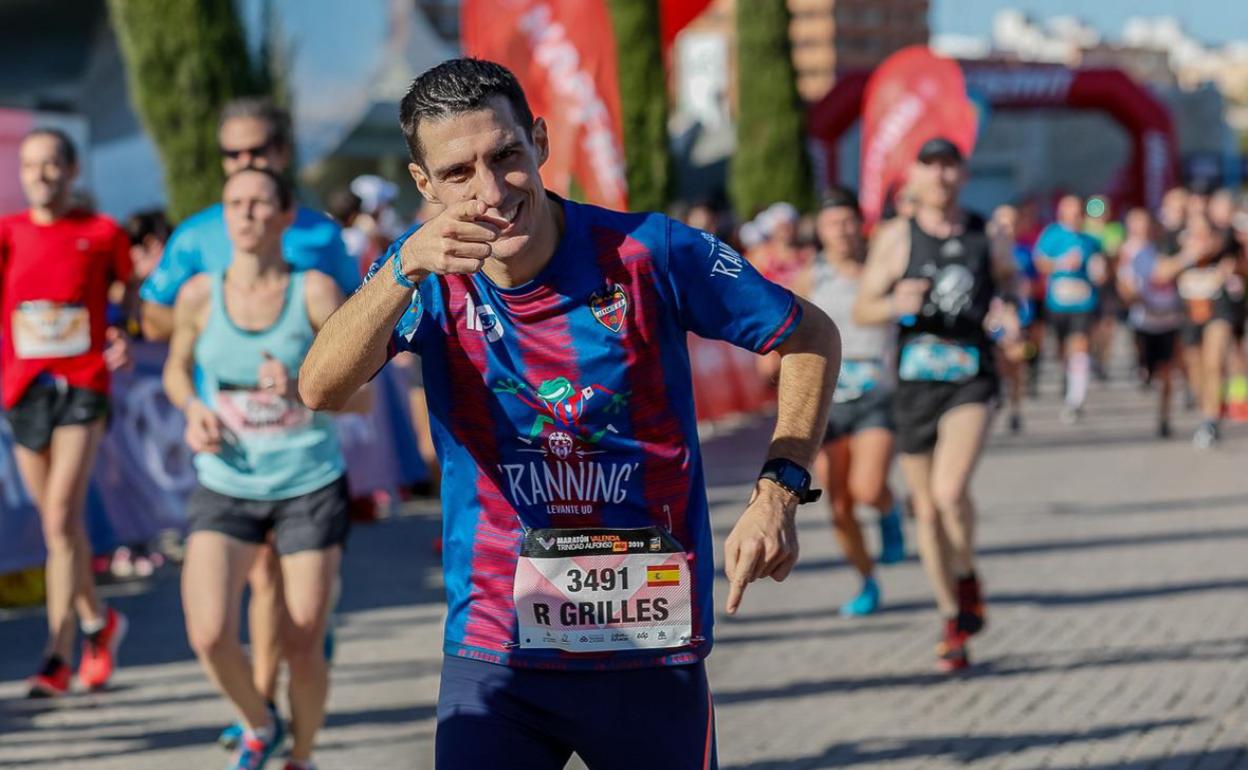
323	297
156	321
203	430
351	345
886	262
764	541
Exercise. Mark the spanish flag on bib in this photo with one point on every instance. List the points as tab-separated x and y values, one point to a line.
662	575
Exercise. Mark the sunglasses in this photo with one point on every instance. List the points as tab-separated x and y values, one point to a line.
235	154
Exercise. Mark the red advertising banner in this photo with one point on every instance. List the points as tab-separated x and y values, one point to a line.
563	52
913	96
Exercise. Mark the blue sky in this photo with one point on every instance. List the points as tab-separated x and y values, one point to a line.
1210	21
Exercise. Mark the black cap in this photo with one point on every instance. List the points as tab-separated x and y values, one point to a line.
939	148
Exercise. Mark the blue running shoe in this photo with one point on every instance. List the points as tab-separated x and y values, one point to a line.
255	750
232	735
892	538
866	602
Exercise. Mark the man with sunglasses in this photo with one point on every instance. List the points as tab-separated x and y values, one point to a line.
253	133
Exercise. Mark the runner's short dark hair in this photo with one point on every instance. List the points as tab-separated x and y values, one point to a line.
285	190
153	222
69	153
260	108
840	198
458	86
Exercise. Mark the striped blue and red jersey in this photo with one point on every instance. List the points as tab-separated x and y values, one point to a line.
568	402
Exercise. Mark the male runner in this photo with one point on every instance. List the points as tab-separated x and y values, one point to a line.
934	276
553	339
56	268
265	463
253	132
1210	277
857	451
1014	356
1156	310
1072	262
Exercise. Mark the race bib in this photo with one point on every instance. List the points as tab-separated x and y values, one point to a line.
258	412
1198	289
857	378
931	359
44	329
1067	292
597	590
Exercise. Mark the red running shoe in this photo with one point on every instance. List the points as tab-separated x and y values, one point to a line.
99	651
971	615
951	653
51	681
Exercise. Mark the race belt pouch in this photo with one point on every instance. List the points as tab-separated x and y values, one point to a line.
599	590
857	378
43	329
932	359
246	411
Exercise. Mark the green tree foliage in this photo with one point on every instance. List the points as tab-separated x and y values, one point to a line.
770	163
643	102
184	60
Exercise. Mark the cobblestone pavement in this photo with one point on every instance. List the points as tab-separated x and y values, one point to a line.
1117	578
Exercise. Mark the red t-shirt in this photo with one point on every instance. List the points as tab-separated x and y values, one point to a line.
54	281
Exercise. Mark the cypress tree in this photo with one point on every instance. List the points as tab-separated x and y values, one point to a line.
770	163
643	102
184	60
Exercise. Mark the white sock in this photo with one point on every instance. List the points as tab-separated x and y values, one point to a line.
264	734
1077	368
95	626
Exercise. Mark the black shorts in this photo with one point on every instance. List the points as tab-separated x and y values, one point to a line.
918	407
311	522
44	407
874	409
1156	348
1066	324
1193	333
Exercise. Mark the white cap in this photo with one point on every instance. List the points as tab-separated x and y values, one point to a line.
374	192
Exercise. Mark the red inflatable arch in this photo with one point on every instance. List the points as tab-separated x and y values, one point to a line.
1007	86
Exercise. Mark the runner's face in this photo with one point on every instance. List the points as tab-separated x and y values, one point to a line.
487	156
248	142
936	184
838	229
1139	225
1005	220
46	178
253	214
1070	212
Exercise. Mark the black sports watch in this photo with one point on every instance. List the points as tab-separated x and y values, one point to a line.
792	477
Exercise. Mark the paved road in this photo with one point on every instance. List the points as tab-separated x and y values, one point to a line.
1116	574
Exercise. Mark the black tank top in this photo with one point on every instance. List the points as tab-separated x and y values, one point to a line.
960	270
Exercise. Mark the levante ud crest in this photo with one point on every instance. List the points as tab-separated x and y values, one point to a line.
609	305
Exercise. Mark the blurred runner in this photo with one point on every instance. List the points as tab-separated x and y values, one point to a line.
1099	223
1210	278
1156	311
780	257
553	336
266	465
253	132
1237	382
1016	354
857	451
934	275
1072	262
57	265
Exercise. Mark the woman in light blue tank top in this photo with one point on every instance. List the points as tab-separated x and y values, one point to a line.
270	470
274	448
858	445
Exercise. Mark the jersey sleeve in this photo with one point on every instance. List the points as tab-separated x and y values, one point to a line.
179	262
719	295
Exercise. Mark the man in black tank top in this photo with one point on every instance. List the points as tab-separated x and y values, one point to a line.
934	275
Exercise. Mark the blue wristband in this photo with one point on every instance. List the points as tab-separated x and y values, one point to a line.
397	265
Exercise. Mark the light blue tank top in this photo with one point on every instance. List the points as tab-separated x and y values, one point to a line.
272	448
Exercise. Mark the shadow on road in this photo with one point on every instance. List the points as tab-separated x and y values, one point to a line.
959	749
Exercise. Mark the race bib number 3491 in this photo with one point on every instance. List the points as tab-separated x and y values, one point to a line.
596	590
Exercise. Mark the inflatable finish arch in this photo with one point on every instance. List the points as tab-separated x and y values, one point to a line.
1006	86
